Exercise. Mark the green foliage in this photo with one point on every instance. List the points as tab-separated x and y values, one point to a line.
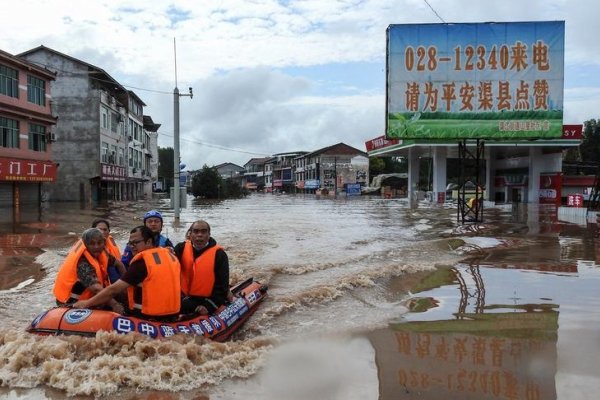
232	188
376	166
165	165
207	183
387	165
590	146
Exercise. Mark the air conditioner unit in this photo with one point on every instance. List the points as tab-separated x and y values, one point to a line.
50	137
130	138
134	170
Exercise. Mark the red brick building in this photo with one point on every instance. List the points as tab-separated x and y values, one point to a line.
26	137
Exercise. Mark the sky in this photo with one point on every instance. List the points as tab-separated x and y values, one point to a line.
273	76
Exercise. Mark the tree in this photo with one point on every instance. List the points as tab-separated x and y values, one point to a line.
376	166
387	165
165	165
232	188
207	183
590	146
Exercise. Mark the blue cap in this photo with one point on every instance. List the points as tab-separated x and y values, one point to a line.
153	214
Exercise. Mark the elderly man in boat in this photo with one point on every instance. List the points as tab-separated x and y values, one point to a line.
204	271
84	271
152	280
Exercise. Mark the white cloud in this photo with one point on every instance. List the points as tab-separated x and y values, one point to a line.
232	53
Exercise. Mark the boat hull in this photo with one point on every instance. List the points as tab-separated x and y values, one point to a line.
218	326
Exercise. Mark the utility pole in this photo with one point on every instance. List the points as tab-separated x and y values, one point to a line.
176	160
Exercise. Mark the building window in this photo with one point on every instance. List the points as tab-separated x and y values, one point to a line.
9	81
121	156
112	157
104	116
114	122
36	90
104	152
37	137
130	157
9	132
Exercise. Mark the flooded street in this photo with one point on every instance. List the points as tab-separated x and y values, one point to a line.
368	299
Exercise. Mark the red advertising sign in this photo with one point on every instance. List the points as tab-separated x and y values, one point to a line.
550	188
441	197
572	132
14	169
380	142
575	200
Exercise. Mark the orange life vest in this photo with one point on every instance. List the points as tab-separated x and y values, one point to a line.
112	248
198	276
161	289
66	279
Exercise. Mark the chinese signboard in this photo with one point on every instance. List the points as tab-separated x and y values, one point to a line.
13	169
353	189
491	359
380	142
487	80
575	200
112	172
550	188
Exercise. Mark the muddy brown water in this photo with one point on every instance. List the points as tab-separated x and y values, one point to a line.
368	299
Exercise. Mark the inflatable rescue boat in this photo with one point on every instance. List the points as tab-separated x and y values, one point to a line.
218	326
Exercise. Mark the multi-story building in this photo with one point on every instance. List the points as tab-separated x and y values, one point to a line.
283	171
254	177
229	170
331	168
26	132
102	145
151	152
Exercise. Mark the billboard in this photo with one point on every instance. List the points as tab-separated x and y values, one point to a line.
475	80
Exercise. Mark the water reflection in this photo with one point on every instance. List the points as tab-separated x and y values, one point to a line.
506	325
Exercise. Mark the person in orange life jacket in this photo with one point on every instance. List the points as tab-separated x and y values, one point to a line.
152	280
204	271
153	220
83	273
114	271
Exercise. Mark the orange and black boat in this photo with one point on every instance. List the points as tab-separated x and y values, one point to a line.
218	326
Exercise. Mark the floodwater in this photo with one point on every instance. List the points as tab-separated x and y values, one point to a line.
368	299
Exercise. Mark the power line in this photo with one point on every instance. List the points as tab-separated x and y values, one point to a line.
216	146
435	12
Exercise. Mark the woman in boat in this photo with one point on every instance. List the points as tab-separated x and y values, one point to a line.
114	272
84	271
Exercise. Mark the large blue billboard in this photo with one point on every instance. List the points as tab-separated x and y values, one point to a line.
475	80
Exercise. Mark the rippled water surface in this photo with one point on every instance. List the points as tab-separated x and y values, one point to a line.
368	299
